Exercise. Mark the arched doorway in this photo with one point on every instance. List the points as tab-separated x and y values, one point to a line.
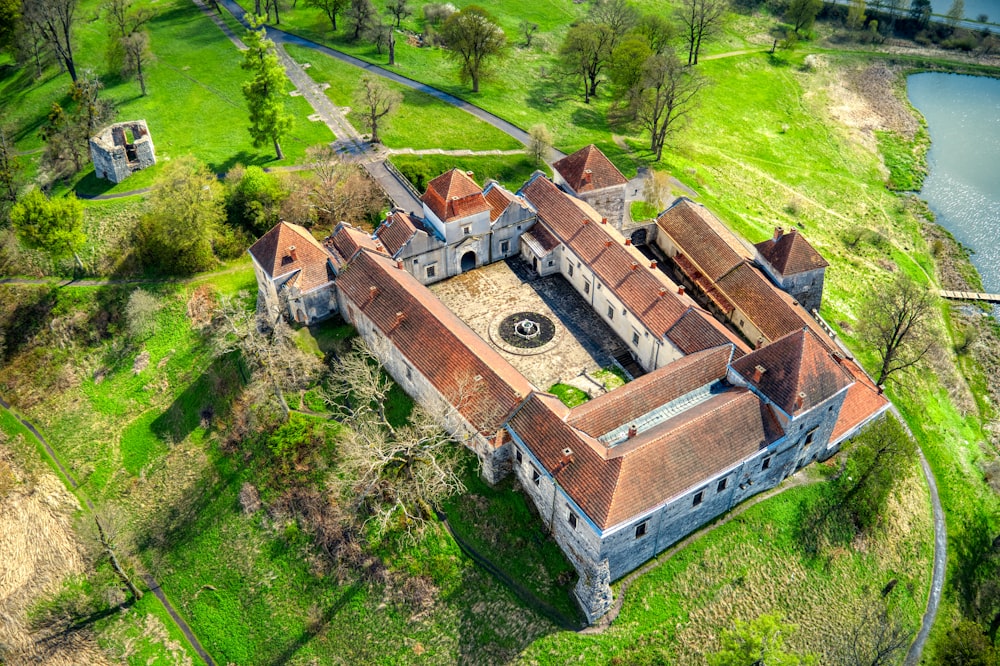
468	261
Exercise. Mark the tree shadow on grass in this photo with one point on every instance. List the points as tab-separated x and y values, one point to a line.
204	401
318	626
31	315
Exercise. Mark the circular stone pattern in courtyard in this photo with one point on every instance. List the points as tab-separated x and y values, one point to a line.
526	330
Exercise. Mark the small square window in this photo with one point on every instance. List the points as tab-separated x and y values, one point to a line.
766	464
551	263
571	270
409	372
535	476
518	455
431	271
586	287
635	338
504	247
809	437
640	529
698	497
572	519
467	230
519	227
723	483
611	312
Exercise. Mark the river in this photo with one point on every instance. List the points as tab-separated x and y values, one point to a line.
963	185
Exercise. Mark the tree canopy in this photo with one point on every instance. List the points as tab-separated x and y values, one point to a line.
760	641
265	91
894	323
54	226
474	39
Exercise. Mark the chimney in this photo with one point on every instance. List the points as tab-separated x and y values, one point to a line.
635	265
628	241
632	431
379	247
372	293
800	400
399	320
681	289
663	292
586	220
652	264
293	253
469	174
604	220
758	372
607	243
586	175
399	265
777	234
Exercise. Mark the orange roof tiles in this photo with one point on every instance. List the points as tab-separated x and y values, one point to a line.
790	253
396	231
702	244
499	199
698	330
454	195
862	403
348	241
796	364
760	301
479	382
287	248
588	169
613	264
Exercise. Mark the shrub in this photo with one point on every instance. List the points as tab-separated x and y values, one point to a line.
253	199
140	314
435	13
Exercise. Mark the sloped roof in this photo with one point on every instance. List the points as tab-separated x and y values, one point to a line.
795	364
273	251
698	330
612	485
754	294
498	198
479	382
862	403
629	402
628	277
588	169
791	254
697	239
396	231
454	195
348	241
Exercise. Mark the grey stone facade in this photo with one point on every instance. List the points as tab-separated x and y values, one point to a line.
122	149
609	202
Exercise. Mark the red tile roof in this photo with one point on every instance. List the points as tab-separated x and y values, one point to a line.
698	330
348	241
797	364
702	244
396	231
499	199
588	169
479	382
454	195
760	301
630	279
863	402
612	485
641	396
791	253
273	251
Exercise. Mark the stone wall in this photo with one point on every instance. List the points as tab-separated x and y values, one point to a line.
116	158
609	202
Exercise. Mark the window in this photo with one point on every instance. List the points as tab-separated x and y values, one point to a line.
766	464
611	312
535	476
467	230
551	263
723	483
640	529
518	455
431	270
571	270
586	287
416	261
519	227
504	247
698	497
571	518
409	372
809	437
635	338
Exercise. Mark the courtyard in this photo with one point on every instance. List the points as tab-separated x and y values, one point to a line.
560	339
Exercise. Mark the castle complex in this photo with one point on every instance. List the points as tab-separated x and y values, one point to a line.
740	384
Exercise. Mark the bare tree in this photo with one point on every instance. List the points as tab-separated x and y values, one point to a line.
341	191
329	7
53	19
376	100
618	15
876	638
360	14
894	323
699	20
112	538
399	10
528	29
359	389
668	95
541	143
137	54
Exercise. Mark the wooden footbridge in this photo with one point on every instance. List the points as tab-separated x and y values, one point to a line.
970	296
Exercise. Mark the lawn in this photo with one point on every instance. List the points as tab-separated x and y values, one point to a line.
511	171
570	396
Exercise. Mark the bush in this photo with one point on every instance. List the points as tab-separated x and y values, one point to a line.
253	199
966	43
435	13
140	314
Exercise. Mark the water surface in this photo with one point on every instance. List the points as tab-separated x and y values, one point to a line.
963	186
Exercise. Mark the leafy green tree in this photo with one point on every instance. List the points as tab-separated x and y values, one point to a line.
856	15
54	226
69	129
656	30
474	39
10	23
330	8
920	12
625	72
955	13
585	52
185	210
802	14
967	645
10	168
760	642
253	199
265	91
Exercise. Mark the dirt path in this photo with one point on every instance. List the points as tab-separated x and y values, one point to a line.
151	582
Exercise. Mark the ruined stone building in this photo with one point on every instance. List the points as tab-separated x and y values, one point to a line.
725	411
122	149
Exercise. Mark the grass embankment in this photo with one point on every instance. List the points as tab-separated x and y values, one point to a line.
144	425
194	102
